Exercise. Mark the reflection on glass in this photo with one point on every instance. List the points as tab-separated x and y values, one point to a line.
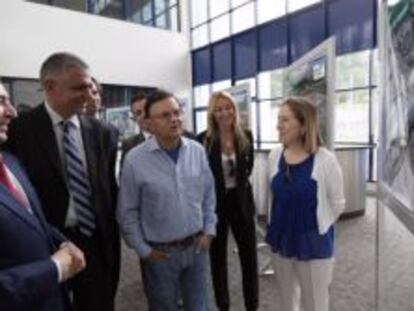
218	7
294	5
146	11
199	36
243	18
352	70
271	84
352	116
220	28
198	12
162	22
201	121
111	8
201	96
161	6
268	10
251	82
268	120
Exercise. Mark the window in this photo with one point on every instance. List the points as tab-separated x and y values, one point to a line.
271	84
294	5
252	84
220	28
199	36
109	8
201	121
257	57
269	111
237	3
222	85
198	12
352	70
352	116
218	7
76	5
268	10
201	96
243	18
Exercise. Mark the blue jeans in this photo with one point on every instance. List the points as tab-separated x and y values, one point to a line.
185	272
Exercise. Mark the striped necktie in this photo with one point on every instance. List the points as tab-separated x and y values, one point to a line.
78	181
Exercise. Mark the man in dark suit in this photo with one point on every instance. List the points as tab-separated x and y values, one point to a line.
137	110
70	158
34	258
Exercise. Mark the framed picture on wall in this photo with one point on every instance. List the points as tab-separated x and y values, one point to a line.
121	118
313	76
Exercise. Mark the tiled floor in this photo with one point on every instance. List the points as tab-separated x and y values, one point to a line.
353	288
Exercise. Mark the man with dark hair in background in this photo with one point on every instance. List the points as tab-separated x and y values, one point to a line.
137	110
70	158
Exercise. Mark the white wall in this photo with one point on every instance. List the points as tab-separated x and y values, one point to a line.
118	52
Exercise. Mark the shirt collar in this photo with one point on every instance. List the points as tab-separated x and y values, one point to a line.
153	143
57	119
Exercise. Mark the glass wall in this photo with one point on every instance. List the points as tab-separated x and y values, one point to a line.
236	41
162	14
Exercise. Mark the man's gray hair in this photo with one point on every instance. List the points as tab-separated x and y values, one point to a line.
60	62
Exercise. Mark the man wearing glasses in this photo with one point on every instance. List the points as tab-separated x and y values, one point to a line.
166	208
137	110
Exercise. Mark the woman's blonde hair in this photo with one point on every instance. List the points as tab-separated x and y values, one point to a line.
212	126
307	115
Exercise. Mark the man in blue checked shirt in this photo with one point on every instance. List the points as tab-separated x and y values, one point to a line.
166	209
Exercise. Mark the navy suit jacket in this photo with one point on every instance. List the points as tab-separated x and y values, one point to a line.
28	277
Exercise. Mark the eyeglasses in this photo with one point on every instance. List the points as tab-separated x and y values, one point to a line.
232	167
168	115
288	176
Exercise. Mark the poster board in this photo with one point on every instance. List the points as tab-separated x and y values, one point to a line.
241	95
396	119
313	76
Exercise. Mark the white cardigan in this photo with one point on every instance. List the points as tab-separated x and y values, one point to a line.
328	175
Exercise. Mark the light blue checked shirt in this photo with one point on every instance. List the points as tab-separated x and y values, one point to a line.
162	201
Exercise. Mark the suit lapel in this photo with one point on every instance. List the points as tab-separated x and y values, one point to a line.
36	221
47	139
90	144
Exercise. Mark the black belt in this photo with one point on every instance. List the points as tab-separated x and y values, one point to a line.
182	243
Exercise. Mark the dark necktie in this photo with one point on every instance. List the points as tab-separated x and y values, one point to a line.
13	189
78	181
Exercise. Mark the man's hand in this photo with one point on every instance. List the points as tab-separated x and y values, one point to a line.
71	260
204	242
157	255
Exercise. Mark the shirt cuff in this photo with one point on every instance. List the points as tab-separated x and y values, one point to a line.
143	250
210	230
59	269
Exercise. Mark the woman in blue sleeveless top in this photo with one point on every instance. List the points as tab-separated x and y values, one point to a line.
307	198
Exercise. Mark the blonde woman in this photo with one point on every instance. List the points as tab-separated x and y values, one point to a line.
230	153
307	187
